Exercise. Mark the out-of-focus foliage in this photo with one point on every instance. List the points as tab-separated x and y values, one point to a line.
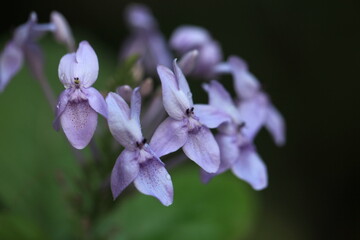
223	209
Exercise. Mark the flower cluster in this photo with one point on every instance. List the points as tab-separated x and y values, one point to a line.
217	136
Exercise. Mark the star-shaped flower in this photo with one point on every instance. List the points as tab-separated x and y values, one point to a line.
237	151
187	125
137	163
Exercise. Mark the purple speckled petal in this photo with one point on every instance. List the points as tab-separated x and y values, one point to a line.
96	101
220	98
79	122
245	83
210	116
250	168
126	131
154	180
188	37
174	100
11	60
275	123
87	67
202	148
169	136
253	112
60	107
126	169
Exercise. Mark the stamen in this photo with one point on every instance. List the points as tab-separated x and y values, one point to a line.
141	144
241	126
76	80
189	111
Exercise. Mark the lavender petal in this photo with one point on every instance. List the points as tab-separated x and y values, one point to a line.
96	101
169	136
11	60
79	122
154	180
126	169
202	148
275	123
251	169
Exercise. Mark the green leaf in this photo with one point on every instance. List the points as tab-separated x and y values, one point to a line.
225	208
18	227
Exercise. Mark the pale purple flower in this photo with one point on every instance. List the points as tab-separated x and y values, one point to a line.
137	163
187	125
186	38
79	103
254	104
145	40
237	151
23	46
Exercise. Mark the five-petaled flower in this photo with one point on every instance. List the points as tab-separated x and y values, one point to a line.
187	125
79	103
137	163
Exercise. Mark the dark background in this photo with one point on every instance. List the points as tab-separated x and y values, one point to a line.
306	53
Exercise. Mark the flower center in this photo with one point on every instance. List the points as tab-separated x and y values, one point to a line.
189	112
77	82
141	144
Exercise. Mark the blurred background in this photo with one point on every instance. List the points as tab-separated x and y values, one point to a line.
305	53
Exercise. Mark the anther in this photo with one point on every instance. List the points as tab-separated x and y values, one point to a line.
76	80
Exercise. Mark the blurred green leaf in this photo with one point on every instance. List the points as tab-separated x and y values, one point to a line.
225	208
18	227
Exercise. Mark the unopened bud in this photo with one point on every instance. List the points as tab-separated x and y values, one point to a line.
125	92
146	87
62	30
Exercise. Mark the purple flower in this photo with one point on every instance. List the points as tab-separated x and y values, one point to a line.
187	125
137	163
24	47
187	38
79	103
145	39
255	105
237	151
